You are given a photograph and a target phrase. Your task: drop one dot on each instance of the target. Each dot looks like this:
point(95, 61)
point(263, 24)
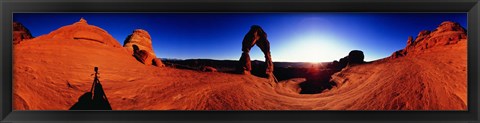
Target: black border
point(10, 6)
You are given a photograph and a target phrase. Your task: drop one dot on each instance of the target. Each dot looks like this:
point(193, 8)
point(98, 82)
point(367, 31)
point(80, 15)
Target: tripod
point(99, 98)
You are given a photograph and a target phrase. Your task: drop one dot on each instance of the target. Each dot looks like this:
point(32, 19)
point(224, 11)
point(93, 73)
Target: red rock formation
point(256, 36)
point(82, 31)
point(157, 62)
point(354, 57)
point(209, 69)
point(20, 33)
point(447, 33)
point(140, 38)
point(143, 56)
point(410, 41)
point(139, 43)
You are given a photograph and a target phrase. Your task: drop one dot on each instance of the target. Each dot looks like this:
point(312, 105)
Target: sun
point(315, 49)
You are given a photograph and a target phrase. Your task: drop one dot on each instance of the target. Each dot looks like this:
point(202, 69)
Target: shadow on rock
point(95, 99)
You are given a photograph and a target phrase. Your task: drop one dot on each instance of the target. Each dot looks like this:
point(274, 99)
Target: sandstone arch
point(256, 36)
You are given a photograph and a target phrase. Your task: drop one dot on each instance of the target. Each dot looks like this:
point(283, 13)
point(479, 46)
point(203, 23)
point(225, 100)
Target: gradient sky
point(295, 37)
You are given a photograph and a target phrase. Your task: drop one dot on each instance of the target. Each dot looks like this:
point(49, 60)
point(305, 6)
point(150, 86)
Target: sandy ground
point(52, 75)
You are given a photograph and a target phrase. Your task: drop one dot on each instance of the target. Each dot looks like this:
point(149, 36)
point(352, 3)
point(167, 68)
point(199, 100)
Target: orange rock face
point(20, 33)
point(139, 43)
point(82, 31)
point(140, 38)
point(447, 33)
point(144, 57)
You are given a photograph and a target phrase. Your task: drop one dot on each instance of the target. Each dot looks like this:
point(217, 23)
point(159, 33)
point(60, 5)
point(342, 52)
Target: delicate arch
point(255, 36)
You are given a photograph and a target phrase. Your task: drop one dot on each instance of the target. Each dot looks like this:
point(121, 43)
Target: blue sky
point(294, 37)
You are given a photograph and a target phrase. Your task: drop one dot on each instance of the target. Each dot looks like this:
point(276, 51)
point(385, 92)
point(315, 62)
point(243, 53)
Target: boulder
point(20, 33)
point(354, 57)
point(158, 62)
point(209, 69)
